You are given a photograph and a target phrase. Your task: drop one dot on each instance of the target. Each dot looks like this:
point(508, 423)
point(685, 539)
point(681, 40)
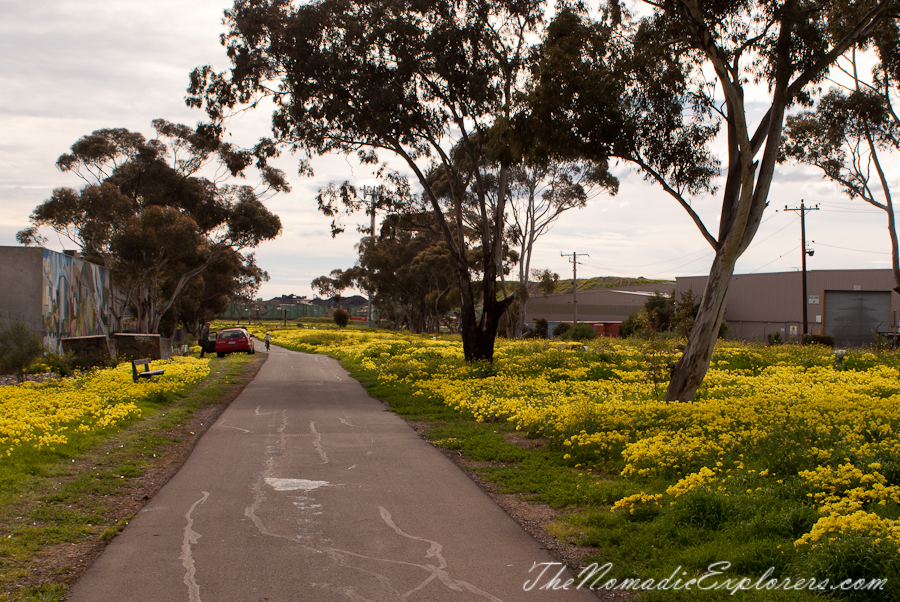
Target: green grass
point(584, 284)
point(59, 497)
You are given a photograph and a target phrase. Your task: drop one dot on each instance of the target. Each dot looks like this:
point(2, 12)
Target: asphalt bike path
point(307, 489)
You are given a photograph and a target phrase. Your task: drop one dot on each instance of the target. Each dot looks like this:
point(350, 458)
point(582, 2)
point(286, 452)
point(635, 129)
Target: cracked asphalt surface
point(305, 489)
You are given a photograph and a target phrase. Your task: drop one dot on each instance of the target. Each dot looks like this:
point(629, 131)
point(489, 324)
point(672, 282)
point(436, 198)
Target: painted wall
point(76, 297)
point(54, 294)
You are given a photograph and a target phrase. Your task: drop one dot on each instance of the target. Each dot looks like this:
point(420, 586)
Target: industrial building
point(602, 308)
point(850, 305)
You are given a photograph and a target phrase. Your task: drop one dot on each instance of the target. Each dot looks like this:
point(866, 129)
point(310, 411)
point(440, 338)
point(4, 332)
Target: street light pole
point(371, 193)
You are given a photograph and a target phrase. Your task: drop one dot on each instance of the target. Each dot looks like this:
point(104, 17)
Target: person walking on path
point(204, 339)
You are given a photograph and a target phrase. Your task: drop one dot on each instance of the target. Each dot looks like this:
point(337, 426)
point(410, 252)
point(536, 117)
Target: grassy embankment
point(786, 466)
point(82, 455)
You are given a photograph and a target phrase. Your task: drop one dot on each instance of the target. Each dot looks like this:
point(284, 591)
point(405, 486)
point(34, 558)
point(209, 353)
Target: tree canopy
point(852, 129)
point(145, 213)
point(407, 272)
point(434, 84)
point(667, 82)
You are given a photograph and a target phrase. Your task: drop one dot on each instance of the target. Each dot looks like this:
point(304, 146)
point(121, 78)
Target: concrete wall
point(55, 294)
point(21, 271)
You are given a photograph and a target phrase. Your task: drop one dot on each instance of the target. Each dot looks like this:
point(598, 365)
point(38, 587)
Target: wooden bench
point(147, 373)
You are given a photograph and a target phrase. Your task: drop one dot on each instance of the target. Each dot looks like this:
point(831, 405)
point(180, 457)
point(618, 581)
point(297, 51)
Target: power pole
point(371, 192)
point(573, 257)
point(803, 209)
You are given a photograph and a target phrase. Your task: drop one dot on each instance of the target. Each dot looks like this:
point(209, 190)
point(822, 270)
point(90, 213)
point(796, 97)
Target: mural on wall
point(76, 298)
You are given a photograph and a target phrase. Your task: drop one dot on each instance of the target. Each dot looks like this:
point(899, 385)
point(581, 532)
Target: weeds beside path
point(58, 515)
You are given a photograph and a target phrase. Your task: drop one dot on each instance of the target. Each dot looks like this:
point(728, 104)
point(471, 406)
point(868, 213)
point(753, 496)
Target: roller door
point(853, 316)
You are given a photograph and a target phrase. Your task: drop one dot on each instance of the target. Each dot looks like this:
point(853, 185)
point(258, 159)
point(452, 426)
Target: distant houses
point(293, 307)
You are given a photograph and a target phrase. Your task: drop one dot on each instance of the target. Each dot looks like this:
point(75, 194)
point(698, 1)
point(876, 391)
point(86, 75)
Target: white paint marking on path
point(237, 428)
point(294, 484)
point(258, 496)
point(317, 442)
point(187, 559)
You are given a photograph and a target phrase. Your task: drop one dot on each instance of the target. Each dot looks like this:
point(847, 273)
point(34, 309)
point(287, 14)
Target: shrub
point(579, 332)
point(856, 556)
point(61, 363)
point(540, 328)
point(560, 328)
point(19, 348)
point(633, 326)
point(724, 329)
point(685, 314)
point(341, 317)
point(818, 339)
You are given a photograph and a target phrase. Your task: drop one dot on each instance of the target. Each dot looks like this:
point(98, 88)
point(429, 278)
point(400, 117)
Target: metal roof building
point(847, 304)
point(595, 306)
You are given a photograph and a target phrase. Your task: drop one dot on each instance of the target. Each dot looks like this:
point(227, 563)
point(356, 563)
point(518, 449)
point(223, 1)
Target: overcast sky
point(68, 68)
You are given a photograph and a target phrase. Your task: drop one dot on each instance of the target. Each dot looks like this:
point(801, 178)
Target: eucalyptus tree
point(433, 84)
point(407, 271)
point(851, 132)
point(146, 213)
point(539, 195)
point(668, 81)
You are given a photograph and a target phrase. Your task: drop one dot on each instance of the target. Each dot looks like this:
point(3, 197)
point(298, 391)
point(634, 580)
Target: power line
point(771, 235)
point(856, 250)
point(774, 260)
point(678, 267)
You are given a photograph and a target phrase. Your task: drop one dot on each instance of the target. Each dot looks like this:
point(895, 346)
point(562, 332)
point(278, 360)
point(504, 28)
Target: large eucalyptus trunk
point(690, 370)
point(478, 335)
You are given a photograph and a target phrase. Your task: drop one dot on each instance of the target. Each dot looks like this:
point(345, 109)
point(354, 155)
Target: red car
point(231, 340)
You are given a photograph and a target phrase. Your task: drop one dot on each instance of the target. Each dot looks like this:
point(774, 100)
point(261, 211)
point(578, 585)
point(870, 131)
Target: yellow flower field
point(767, 419)
point(43, 415)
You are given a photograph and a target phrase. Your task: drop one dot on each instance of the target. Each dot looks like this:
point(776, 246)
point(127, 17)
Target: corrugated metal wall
point(763, 304)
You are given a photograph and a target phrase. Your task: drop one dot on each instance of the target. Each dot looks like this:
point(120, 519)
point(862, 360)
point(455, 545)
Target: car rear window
point(231, 334)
